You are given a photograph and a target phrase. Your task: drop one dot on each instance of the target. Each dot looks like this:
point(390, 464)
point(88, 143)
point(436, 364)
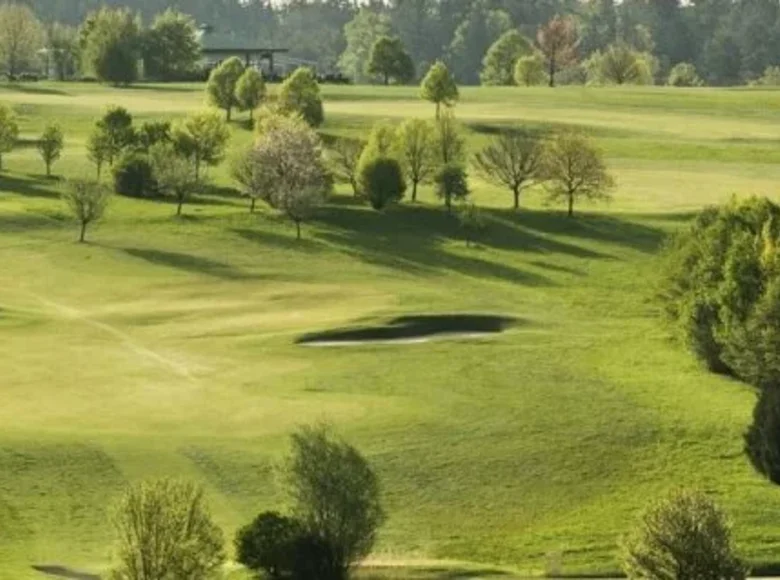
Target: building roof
point(216, 42)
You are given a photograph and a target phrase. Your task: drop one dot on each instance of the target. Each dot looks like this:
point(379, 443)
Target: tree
point(250, 91)
point(268, 544)
point(300, 94)
point(62, 50)
point(202, 138)
point(116, 124)
point(684, 74)
point(361, 33)
point(87, 201)
point(762, 439)
point(173, 174)
point(382, 142)
point(558, 42)
point(112, 46)
point(449, 139)
point(382, 181)
point(294, 179)
point(335, 494)
point(389, 60)
point(99, 149)
point(21, 36)
point(481, 25)
point(498, 67)
point(472, 222)
point(9, 131)
point(171, 50)
point(619, 64)
point(439, 87)
point(50, 145)
point(221, 88)
point(770, 78)
point(153, 132)
point(417, 148)
point(529, 70)
point(165, 530)
point(451, 184)
point(682, 537)
point(344, 156)
point(247, 174)
point(513, 160)
point(574, 168)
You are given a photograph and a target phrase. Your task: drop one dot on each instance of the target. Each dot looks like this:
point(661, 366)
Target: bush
point(684, 536)
point(300, 94)
point(684, 75)
point(269, 544)
point(721, 289)
point(770, 78)
point(451, 184)
point(382, 181)
point(134, 177)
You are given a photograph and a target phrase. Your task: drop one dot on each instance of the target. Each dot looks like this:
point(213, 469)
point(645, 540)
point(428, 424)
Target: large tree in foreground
point(685, 536)
point(335, 495)
point(558, 41)
point(87, 201)
point(513, 160)
point(574, 169)
point(165, 531)
point(21, 36)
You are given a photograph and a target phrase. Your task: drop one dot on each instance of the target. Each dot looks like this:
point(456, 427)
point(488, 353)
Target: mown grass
point(166, 346)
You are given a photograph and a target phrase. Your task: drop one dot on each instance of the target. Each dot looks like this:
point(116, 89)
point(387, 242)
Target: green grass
point(165, 346)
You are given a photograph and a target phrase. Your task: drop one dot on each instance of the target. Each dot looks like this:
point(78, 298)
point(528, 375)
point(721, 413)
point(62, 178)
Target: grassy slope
point(165, 346)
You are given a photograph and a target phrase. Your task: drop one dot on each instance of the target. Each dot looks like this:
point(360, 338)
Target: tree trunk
point(387, 79)
point(414, 192)
point(448, 202)
point(229, 112)
point(438, 111)
point(552, 71)
point(99, 167)
point(517, 198)
point(178, 207)
point(297, 230)
point(252, 205)
point(251, 115)
point(197, 168)
point(83, 232)
point(355, 189)
point(48, 169)
point(571, 205)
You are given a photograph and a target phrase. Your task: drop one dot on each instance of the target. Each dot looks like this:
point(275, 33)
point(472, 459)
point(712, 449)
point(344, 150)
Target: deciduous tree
point(170, 47)
point(368, 25)
point(9, 131)
point(498, 66)
point(87, 201)
point(250, 91)
point(21, 36)
point(165, 530)
point(173, 174)
point(684, 74)
point(512, 159)
point(529, 70)
point(439, 87)
point(267, 545)
point(300, 94)
point(112, 46)
point(202, 138)
point(574, 169)
point(452, 184)
point(50, 145)
point(450, 143)
point(417, 150)
point(389, 60)
point(344, 156)
point(382, 181)
point(221, 87)
point(558, 42)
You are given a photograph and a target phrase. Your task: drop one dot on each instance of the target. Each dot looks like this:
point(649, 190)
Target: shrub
point(269, 544)
point(300, 94)
point(134, 177)
point(720, 288)
point(770, 78)
point(529, 70)
point(684, 74)
point(451, 184)
point(153, 132)
point(382, 181)
point(684, 536)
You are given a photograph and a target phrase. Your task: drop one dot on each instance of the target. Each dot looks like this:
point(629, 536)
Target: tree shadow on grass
point(429, 573)
point(64, 572)
point(411, 239)
point(28, 187)
point(188, 263)
point(161, 88)
point(266, 238)
point(32, 89)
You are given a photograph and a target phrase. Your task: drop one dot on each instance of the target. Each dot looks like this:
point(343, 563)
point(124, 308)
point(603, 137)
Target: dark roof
point(220, 43)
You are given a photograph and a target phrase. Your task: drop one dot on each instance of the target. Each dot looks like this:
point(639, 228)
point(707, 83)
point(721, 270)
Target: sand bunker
point(412, 329)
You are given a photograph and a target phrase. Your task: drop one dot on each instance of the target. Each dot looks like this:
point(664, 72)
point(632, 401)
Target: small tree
point(685, 536)
point(202, 138)
point(452, 184)
point(9, 131)
point(267, 545)
point(173, 174)
point(382, 181)
point(134, 177)
point(389, 60)
point(50, 145)
point(558, 41)
point(684, 74)
point(450, 143)
point(439, 87)
point(99, 149)
point(417, 148)
point(153, 132)
point(21, 35)
point(335, 494)
point(164, 530)
point(344, 156)
point(574, 168)
point(529, 70)
point(87, 201)
point(300, 94)
point(250, 91)
point(221, 87)
point(512, 160)
point(619, 64)
point(472, 222)
point(247, 173)
point(498, 66)
point(117, 126)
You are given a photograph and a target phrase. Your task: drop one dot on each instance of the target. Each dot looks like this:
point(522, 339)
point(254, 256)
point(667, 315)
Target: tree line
point(726, 42)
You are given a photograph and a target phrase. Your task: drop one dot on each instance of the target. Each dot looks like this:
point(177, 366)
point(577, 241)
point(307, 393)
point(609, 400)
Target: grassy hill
point(166, 346)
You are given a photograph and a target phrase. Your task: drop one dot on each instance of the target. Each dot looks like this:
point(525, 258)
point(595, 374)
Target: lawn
point(167, 346)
